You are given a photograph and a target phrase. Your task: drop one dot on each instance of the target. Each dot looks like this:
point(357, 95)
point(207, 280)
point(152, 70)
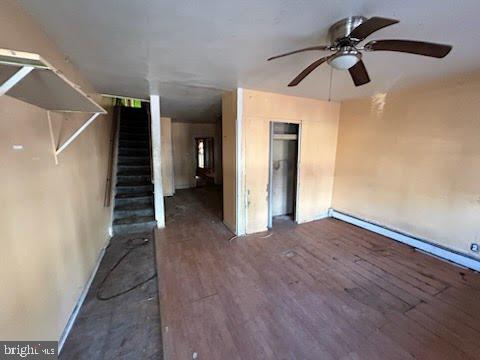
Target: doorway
point(205, 169)
point(283, 171)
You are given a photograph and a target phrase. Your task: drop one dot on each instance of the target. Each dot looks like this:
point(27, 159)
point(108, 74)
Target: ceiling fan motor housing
point(340, 31)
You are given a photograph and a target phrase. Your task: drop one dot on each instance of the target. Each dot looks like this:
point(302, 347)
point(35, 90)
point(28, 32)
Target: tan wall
point(183, 141)
point(218, 152)
point(319, 124)
point(229, 164)
point(411, 161)
point(53, 223)
point(167, 157)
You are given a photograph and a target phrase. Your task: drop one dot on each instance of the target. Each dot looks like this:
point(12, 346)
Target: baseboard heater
point(421, 244)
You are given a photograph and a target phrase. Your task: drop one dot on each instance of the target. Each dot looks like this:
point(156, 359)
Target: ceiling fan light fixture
point(344, 60)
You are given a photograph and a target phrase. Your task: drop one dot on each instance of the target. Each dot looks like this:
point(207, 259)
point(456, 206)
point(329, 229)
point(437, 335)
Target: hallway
point(324, 289)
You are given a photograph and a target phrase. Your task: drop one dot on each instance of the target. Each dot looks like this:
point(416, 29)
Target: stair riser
point(134, 178)
point(133, 189)
point(134, 137)
point(133, 220)
point(145, 172)
point(134, 144)
point(136, 201)
point(138, 164)
point(133, 161)
point(134, 157)
point(131, 183)
point(136, 124)
point(134, 130)
point(144, 154)
point(133, 228)
point(133, 152)
point(133, 169)
point(120, 214)
point(135, 120)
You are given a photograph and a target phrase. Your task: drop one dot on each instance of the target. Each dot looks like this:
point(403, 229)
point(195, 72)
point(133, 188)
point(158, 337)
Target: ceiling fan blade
point(411, 47)
point(369, 26)
point(321, 47)
point(307, 71)
point(359, 74)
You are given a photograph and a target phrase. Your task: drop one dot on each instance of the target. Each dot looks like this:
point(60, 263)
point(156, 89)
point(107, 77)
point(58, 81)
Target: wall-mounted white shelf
point(30, 78)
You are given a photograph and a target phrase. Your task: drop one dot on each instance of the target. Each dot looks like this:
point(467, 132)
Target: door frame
point(270, 168)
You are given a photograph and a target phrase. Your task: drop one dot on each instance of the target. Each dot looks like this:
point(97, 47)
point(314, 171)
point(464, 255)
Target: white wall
point(167, 157)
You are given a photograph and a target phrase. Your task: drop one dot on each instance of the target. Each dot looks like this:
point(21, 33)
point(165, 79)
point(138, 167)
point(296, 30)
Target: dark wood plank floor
point(321, 290)
point(127, 326)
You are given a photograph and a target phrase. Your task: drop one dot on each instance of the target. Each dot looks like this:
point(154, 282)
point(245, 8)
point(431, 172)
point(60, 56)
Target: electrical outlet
point(474, 247)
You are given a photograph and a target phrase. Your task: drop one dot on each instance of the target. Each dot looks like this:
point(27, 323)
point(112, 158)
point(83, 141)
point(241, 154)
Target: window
point(204, 149)
point(201, 154)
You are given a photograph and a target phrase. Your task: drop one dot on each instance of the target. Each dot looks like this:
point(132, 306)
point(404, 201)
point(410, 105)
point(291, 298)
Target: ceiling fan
point(346, 34)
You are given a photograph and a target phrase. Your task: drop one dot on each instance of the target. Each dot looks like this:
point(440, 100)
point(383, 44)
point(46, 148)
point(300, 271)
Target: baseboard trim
point(320, 216)
point(81, 299)
point(421, 244)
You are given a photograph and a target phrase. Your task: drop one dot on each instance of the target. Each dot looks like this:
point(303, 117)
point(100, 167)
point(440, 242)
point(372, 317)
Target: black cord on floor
point(131, 246)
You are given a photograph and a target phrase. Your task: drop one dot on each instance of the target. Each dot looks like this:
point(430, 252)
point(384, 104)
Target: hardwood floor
point(321, 290)
point(126, 326)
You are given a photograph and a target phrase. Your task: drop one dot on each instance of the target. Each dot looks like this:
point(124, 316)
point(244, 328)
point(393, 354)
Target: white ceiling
point(190, 51)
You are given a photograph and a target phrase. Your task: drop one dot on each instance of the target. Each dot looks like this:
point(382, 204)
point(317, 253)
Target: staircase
point(133, 212)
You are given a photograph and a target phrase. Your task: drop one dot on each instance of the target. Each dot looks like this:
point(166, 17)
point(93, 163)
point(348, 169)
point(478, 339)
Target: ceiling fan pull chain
point(330, 87)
